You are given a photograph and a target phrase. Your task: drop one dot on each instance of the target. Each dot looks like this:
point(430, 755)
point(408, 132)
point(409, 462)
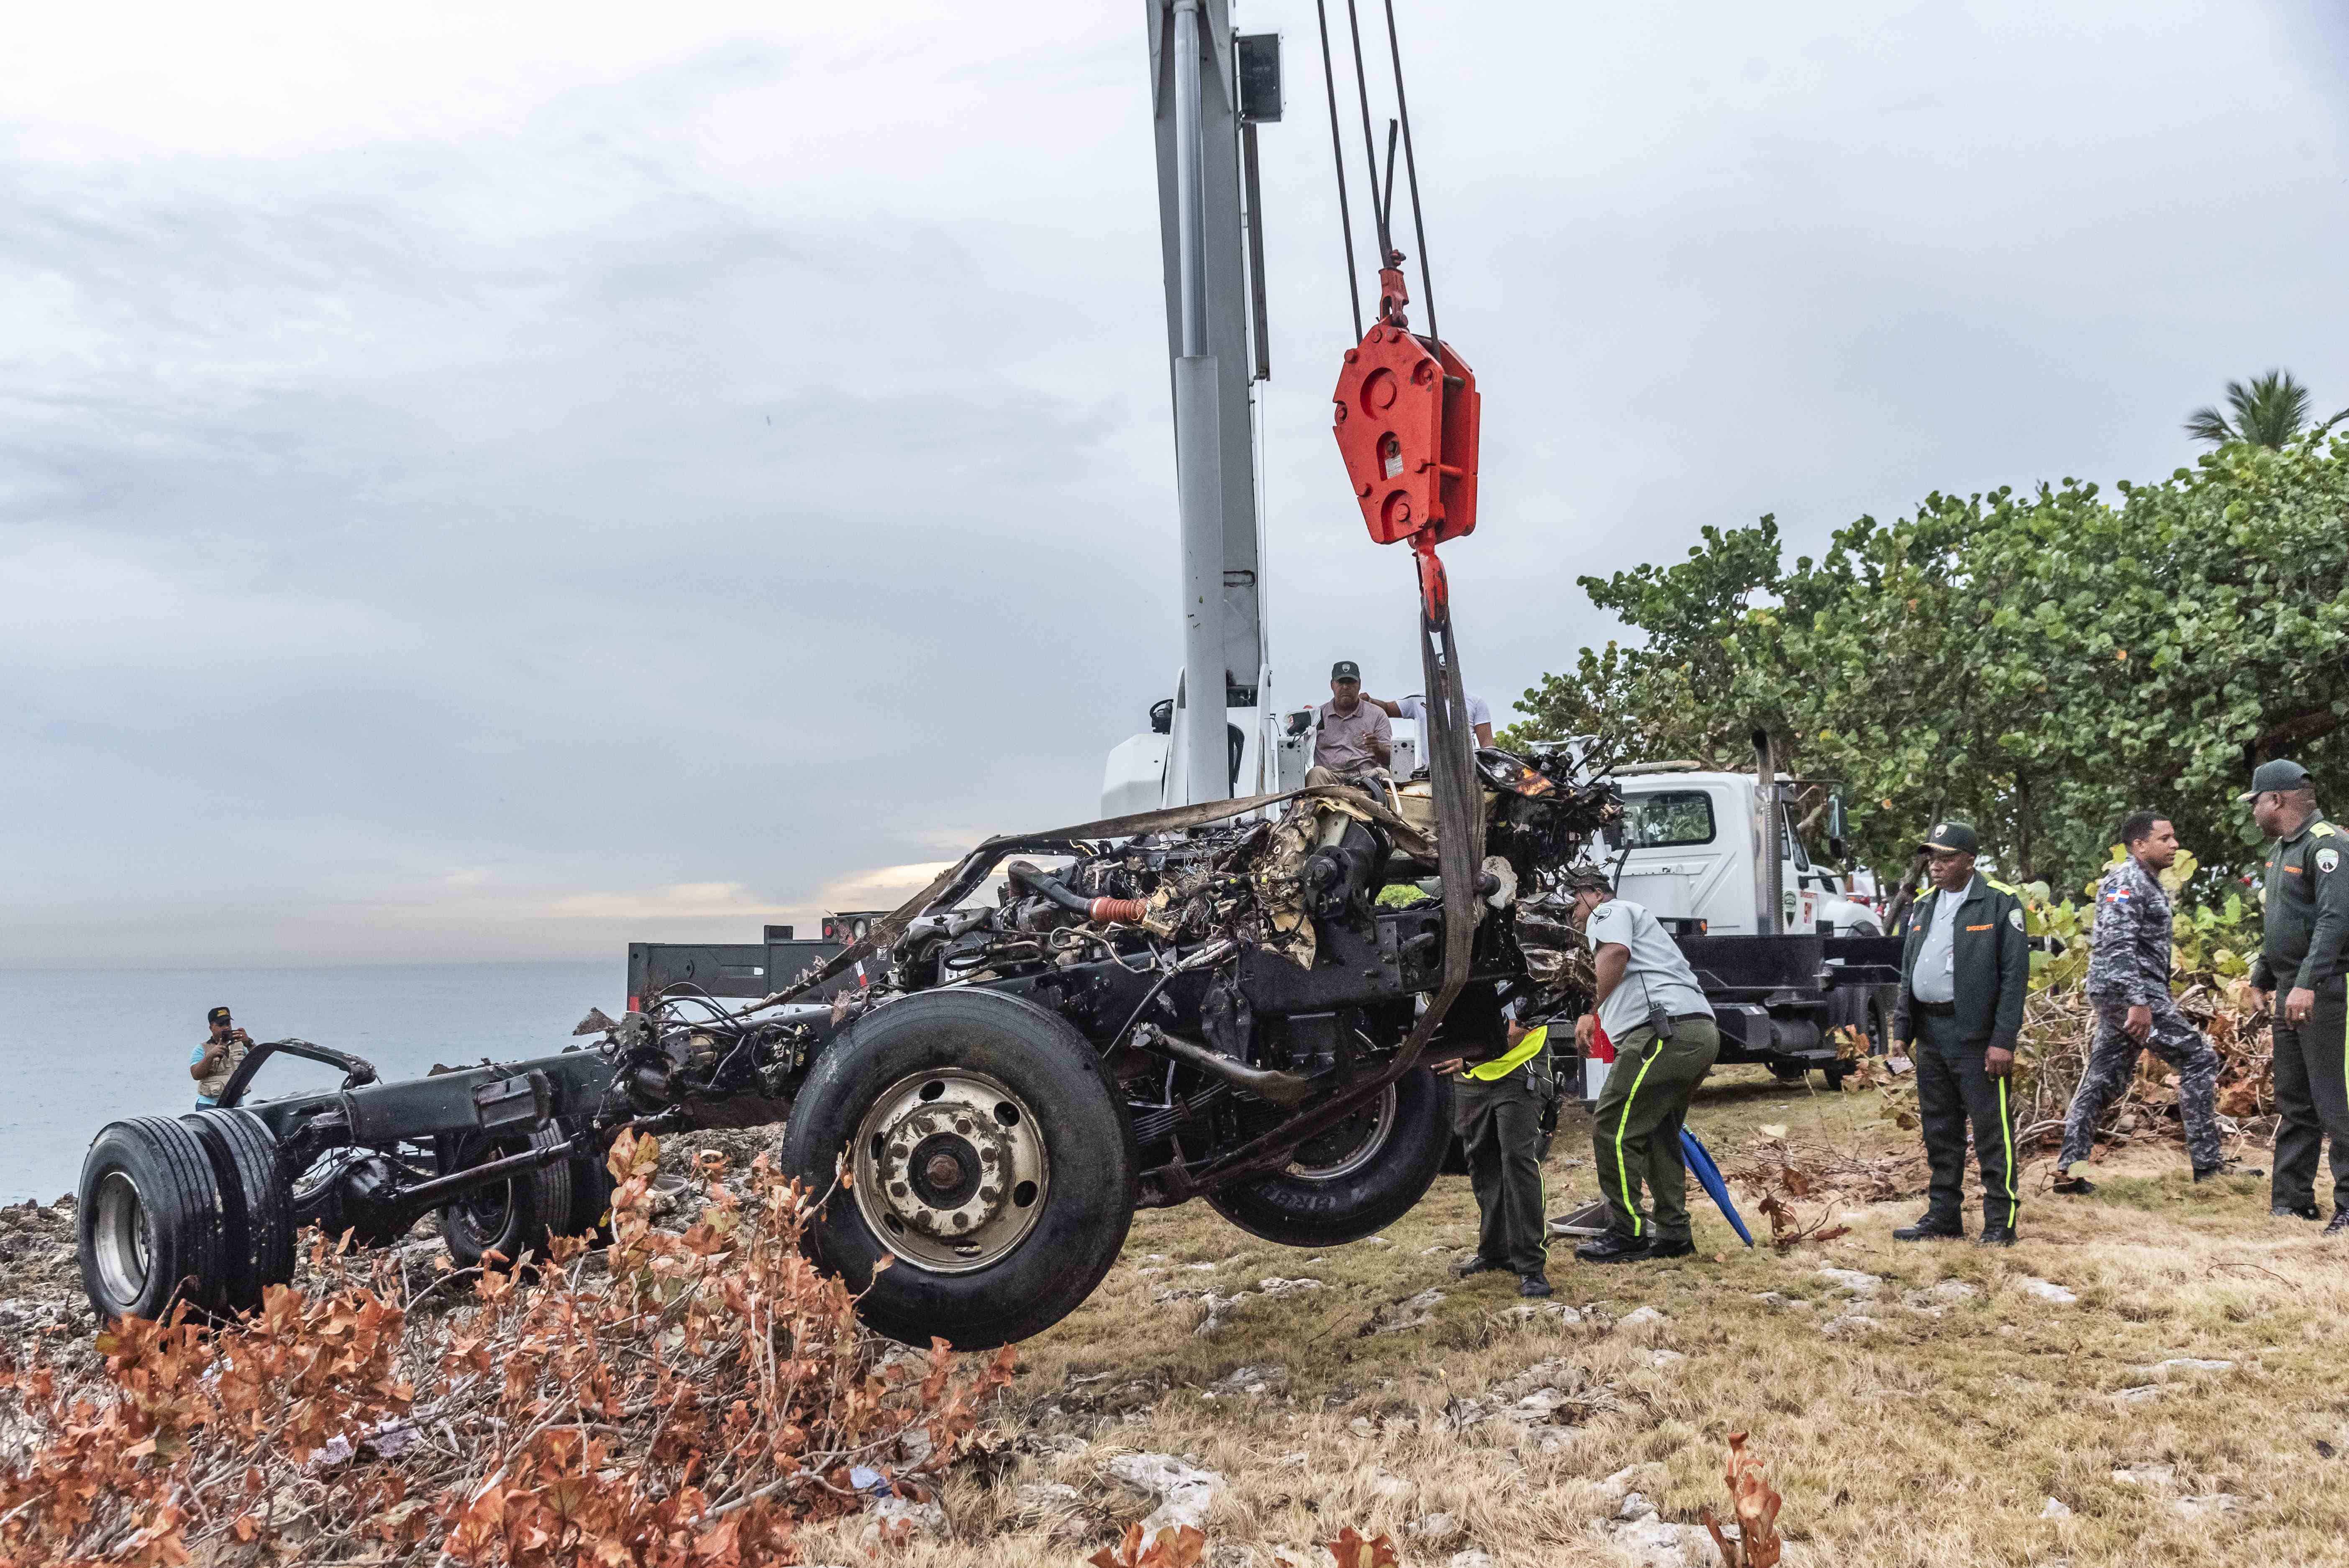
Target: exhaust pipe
point(1266, 1082)
point(1770, 873)
point(1103, 912)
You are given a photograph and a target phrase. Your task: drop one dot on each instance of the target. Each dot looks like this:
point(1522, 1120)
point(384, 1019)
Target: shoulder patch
point(2014, 917)
point(2327, 858)
point(2322, 830)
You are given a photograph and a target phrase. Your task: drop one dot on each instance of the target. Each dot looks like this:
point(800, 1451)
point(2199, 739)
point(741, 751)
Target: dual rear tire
point(194, 1210)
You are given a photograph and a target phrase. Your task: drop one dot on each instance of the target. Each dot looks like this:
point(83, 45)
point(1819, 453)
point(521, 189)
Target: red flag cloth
point(1601, 1048)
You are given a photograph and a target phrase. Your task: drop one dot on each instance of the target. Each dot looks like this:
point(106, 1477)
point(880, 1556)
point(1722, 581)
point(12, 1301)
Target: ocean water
point(86, 1047)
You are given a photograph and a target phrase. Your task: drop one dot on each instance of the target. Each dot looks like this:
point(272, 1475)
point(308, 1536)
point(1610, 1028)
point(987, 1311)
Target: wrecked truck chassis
point(1220, 1011)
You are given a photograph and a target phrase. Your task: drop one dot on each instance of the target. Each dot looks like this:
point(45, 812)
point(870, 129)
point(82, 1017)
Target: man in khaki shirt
point(211, 1063)
point(1354, 735)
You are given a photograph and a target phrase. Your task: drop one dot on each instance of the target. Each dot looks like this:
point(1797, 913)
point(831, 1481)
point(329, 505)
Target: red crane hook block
point(1406, 422)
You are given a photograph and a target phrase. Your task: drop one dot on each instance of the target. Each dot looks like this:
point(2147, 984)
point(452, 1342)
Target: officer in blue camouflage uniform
point(2128, 984)
point(2304, 910)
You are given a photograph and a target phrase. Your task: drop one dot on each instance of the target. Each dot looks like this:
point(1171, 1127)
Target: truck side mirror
point(1839, 829)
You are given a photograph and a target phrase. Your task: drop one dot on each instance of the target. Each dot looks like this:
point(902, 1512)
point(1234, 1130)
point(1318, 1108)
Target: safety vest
point(1523, 1052)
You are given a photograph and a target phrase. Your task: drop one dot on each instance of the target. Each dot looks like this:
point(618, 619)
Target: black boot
point(2224, 1167)
point(1932, 1229)
point(2290, 1211)
point(2339, 1222)
point(1995, 1235)
point(1533, 1285)
point(2080, 1186)
point(1612, 1248)
point(1473, 1263)
point(1662, 1248)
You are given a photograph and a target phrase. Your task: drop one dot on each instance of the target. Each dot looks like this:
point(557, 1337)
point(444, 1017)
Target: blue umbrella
point(1693, 1154)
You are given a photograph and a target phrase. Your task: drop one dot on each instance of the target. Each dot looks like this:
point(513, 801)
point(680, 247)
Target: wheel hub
point(950, 1169)
point(941, 1171)
point(119, 1237)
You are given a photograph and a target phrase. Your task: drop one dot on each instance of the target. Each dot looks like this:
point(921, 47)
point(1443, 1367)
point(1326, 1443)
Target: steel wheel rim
point(1328, 1164)
point(949, 1169)
point(118, 1238)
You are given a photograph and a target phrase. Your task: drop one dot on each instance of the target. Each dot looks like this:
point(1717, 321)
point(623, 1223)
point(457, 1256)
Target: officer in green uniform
point(1965, 967)
point(1496, 1109)
point(1654, 1012)
point(2305, 910)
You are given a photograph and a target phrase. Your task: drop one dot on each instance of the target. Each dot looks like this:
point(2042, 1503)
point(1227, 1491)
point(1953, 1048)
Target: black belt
point(1935, 1008)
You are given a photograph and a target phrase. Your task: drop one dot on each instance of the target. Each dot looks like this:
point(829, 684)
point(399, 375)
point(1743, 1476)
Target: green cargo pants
point(1499, 1123)
point(1635, 1128)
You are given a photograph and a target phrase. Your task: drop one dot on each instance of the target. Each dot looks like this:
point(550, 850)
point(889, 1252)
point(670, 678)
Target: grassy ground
point(1914, 1425)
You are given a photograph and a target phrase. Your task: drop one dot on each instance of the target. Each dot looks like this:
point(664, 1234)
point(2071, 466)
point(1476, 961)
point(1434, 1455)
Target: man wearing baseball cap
point(211, 1063)
point(1354, 735)
point(2305, 909)
point(1964, 970)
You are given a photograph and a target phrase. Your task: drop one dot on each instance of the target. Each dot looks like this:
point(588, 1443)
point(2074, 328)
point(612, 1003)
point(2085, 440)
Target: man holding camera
point(211, 1063)
point(1665, 1040)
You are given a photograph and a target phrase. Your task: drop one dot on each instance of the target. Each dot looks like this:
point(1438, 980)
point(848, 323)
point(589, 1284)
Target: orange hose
point(1128, 911)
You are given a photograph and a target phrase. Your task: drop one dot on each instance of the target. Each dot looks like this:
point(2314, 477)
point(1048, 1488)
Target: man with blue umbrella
point(1655, 1014)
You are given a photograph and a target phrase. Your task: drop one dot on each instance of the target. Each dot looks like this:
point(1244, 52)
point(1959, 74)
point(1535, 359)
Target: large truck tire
point(1356, 1178)
point(591, 1198)
point(513, 1217)
point(150, 1222)
point(985, 1155)
point(257, 1205)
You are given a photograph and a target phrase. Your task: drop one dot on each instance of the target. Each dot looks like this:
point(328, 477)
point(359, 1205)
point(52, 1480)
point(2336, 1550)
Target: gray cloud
point(724, 478)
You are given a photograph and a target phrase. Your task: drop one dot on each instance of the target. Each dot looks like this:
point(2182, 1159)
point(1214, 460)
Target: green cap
point(2277, 774)
point(1956, 835)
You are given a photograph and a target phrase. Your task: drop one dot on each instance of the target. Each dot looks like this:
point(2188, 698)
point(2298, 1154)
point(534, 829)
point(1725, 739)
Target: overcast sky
point(493, 482)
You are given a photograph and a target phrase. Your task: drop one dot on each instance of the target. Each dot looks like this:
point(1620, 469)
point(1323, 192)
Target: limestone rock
point(1851, 1279)
point(1184, 1492)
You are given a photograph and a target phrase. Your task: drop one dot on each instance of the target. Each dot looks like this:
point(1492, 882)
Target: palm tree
point(2269, 412)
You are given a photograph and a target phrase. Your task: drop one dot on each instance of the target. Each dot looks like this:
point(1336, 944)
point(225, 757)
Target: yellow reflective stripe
point(2006, 1130)
point(1623, 1171)
point(1518, 1056)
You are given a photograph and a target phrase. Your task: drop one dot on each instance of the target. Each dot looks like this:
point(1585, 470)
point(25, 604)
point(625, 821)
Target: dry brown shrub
point(1756, 1503)
point(1173, 1547)
point(2059, 1028)
point(1800, 1186)
point(683, 1400)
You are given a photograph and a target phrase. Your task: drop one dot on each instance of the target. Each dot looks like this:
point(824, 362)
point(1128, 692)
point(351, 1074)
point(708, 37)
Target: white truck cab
point(1690, 851)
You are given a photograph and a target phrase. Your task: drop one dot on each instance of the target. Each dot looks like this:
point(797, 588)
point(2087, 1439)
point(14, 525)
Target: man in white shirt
point(1480, 715)
point(1662, 1028)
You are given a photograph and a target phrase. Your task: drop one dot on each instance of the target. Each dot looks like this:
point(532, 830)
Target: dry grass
point(1924, 1439)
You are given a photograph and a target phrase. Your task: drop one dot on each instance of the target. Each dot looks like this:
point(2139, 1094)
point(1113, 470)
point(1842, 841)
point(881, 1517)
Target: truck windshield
point(1668, 817)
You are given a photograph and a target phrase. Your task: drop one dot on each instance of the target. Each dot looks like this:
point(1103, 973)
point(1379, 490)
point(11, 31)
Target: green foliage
point(2214, 940)
point(2270, 413)
point(2039, 664)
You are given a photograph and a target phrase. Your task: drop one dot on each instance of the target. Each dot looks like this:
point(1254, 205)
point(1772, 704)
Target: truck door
point(1680, 863)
